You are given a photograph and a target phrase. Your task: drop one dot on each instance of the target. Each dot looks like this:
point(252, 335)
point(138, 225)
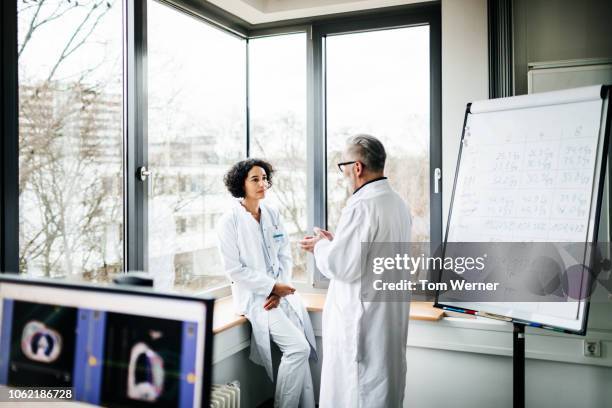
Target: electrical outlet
point(592, 348)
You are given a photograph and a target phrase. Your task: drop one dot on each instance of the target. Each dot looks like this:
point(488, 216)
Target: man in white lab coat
point(364, 343)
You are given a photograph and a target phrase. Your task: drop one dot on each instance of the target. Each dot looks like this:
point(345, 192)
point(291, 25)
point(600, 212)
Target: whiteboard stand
point(518, 366)
point(582, 117)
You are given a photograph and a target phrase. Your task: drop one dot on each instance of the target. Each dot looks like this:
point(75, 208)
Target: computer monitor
point(112, 346)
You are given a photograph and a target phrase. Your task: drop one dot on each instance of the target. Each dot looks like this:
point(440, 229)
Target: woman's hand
point(282, 290)
point(308, 242)
point(272, 302)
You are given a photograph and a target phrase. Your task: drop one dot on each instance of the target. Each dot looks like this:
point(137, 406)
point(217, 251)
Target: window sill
point(225, 318)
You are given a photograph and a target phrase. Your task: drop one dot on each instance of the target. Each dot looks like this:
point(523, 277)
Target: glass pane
point(378, 83)
point(70, 138)
point(196, 130)
point(277, 81)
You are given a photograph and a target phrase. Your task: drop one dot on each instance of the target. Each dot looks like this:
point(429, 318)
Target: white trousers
point(293, 381)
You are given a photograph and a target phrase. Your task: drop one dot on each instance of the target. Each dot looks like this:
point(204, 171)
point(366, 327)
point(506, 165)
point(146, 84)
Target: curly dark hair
point(237, 174)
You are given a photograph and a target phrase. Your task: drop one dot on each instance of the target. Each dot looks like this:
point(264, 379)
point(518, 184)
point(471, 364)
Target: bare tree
point(62, 148)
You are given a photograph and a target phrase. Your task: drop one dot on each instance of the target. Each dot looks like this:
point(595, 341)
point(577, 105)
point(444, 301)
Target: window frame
point(9, 121)
point(219, 19)
point(412, 16)
point(135, 113)
point(135, 141)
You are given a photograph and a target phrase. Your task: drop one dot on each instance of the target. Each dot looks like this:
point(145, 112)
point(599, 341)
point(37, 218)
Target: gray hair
point(369, 150)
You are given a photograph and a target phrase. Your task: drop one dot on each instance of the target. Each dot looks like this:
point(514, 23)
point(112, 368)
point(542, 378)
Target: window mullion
point(9, 216)
point(316, 146)
point(135, 134)
point(435, 132)
point(247, 102)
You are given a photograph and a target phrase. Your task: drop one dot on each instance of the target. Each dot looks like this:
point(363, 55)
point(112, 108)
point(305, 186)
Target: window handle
point(143, 173)
point(146, 176)
point(437, 177)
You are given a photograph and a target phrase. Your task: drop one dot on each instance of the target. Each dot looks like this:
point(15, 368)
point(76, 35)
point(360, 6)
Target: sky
point(375, 79)
point(377, 82)
point(103, 46)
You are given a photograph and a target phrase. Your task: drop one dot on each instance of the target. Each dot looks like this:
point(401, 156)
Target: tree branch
point(67, 51)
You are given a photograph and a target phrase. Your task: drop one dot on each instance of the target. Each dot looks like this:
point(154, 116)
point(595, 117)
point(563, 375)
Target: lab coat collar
point(371, 181)
point(371, 187)
point(241, 211)
point(265, 216)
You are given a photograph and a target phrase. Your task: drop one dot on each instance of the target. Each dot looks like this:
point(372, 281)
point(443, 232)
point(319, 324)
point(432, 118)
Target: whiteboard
point(546, 145)
point(557, 75)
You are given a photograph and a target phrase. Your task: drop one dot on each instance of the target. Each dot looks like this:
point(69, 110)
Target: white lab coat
point(364, 343)
point(244, 262)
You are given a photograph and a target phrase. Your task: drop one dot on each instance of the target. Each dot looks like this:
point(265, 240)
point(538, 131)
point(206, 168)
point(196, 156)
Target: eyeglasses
point(344, 164)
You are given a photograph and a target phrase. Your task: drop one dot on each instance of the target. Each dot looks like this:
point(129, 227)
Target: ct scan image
point(141, 361)
point(42, 349)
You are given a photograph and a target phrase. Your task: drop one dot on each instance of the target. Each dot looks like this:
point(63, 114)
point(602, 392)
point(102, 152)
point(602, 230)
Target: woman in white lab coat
point(257, 258)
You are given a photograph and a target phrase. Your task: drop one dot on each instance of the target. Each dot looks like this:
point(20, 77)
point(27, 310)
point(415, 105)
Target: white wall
point(465, 78)
point(442, 379)
point(466, 363)
point(456, 362)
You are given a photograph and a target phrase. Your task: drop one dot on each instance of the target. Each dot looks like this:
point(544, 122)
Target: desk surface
point(225, 318)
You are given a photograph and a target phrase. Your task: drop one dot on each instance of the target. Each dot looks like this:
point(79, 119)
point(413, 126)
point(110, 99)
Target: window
point(70, 138)
point(181, 225)
point(196, 131)
point(377, 82)
point(201, 119)
point(277, 96)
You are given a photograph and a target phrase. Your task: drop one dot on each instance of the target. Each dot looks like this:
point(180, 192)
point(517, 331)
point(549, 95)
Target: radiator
point(225, 395)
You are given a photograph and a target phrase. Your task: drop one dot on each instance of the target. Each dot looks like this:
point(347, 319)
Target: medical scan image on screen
point(141, 361)
point(42, 345)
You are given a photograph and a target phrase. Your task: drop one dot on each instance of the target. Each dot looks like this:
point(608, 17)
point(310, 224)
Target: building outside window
point(70, 138)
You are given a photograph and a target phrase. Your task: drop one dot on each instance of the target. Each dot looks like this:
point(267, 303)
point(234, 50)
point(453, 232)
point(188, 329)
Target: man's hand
point(271, 302)
point(309, 241)
point(282, 290)
point(323, 233)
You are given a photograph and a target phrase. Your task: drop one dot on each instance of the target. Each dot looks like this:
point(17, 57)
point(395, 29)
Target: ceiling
point(267, 11)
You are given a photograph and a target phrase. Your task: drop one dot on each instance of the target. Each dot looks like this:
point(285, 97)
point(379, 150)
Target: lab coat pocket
point(278, 236)
point(278, 239)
